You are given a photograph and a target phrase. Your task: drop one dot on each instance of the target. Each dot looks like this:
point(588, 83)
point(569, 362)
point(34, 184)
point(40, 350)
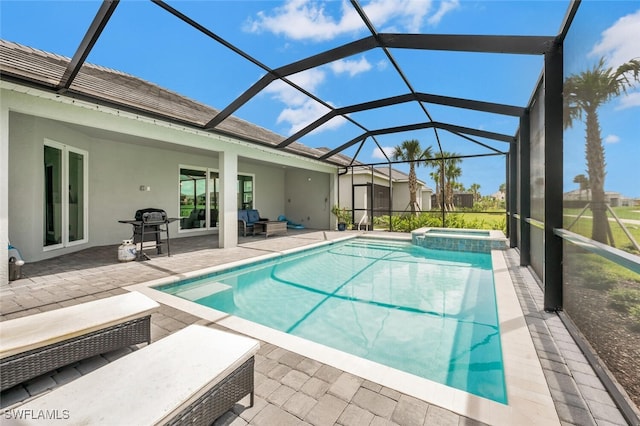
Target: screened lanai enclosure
point(564, 149)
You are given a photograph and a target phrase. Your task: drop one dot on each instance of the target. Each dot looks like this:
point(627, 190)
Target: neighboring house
point(463, 200)
point(426, 198)
point(614, 199)
point(74, 162)
point(460, 199)
point(366, 189)
point(401, 192)
point(498, 195)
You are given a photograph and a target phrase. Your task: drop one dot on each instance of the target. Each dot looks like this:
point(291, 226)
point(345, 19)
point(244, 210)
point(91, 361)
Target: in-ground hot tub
point(474, 240)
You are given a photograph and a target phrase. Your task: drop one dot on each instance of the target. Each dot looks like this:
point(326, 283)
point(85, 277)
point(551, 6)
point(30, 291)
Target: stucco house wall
point(308, 198)
point(359, 178)
point(426, 199)
point(126, 152)
point(401, 196)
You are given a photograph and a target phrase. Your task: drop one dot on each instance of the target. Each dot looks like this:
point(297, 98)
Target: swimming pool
point(476, 240)
point(427, 312)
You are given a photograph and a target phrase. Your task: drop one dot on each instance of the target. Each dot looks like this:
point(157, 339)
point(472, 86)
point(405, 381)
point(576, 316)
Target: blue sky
point(144, 40)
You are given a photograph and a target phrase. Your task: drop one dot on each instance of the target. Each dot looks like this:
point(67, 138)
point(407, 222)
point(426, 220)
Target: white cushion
point(152, 384)
point(38, 330)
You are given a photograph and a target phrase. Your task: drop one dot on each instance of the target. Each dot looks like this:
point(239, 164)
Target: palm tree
point(448, 170)
point(475, 190)
point(412, 152)
point(583, 181)
point(452, 173)
point(435, 175)
point(584, 93)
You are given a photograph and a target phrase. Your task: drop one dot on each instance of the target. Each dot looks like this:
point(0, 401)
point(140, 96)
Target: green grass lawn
point(472, 220)
point(621, 212)
point(490, 220)
point(584, 224)
point(621, 240)
point(497, 221)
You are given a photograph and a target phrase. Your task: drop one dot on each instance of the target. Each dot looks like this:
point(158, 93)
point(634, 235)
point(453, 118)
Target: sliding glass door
point(65, 195)
point(200, 196)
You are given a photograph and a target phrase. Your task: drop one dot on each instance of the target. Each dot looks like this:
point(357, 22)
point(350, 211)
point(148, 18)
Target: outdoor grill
point(148, 225)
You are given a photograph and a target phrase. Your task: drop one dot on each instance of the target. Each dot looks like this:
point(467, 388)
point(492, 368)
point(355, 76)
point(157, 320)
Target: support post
point(390, 200)
point(553, 157)
point(524, 150)
point(228, 232)
point(4, 194)
point(512, 194)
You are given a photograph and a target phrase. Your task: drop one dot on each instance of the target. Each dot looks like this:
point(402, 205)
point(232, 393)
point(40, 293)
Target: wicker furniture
point(190, 377)
point(269, 228)
point(246, 220)
point(36, 344)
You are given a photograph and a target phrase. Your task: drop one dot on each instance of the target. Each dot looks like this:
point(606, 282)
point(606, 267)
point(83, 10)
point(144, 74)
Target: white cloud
point(445, 7)
point(378, 154)
point(309, 79)
point(612, 139)
point(409, 13)
point(300, 110)
point(315, 20)
point(382, 65)
point(299, 116)
point(619, 43)
point(311, 20)
point(351, 67)
point(629, 100)
point(303, 19)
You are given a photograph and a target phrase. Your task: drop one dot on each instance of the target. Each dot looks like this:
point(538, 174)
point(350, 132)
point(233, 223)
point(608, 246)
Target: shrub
point(594, 273)
point(625, 299)
point(598, 279)
point(407, 222)
point(634, 312)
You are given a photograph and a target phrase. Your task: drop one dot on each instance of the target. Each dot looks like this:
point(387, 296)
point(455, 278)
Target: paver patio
point(290, 388)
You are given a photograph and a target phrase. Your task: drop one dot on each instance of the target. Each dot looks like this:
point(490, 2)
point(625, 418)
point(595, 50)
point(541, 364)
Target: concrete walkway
point(290, 388)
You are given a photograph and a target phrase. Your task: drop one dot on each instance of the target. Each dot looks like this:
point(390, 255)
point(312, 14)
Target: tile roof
point(115, 88)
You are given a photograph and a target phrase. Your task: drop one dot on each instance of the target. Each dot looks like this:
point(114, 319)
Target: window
point(200, 196)
point(193, 198)
point(245, 192)
point(65, 214)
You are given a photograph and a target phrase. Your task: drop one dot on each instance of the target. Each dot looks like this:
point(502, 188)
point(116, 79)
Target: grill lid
point(151, 215)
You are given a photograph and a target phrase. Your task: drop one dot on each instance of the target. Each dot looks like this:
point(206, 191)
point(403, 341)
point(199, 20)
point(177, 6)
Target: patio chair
point(246, 220)
point(36, 344)
point(193, 376)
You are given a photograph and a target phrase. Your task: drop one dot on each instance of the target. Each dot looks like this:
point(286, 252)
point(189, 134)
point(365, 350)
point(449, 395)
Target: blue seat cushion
point(253, 216)
point(242, 215)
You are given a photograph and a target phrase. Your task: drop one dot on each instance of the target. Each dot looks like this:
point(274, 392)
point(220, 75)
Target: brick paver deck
point(290, 389)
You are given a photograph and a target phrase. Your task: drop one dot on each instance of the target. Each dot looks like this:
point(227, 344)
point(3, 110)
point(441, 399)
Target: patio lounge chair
point(190, 377)
point(36, 344)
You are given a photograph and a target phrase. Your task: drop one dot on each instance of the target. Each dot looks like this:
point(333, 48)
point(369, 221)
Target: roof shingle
point(45, 70)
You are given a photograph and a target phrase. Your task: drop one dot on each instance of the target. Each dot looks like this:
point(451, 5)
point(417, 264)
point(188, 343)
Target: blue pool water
point(431, 313)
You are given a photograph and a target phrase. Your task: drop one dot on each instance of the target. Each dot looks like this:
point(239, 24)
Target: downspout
point(346, 170)
point(443, 192)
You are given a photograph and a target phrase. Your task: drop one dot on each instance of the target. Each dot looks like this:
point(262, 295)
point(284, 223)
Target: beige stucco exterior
point(126, 151)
